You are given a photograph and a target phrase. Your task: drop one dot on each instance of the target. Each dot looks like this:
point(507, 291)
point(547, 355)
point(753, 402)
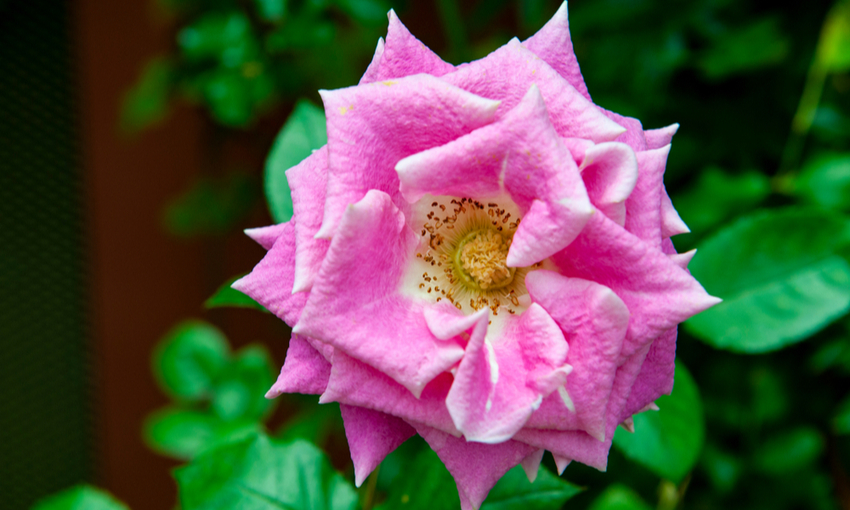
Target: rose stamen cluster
point(406, 248)
point(466, 242)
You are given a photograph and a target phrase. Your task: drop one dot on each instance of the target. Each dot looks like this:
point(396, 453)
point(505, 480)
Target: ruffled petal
point(475, 467)
point(525, 155)
point(658, 293)
point(304, 371)
point(633, 135)
point(308, 181)
point(594, 320)
point(656, 374)
point(579, 445)
point(499, 384)
point(610, 171)
point(553, 44)
point(643, 208)
point(371, 436)
point(355, 305)
point(372, 127)
point(403, 55)
point(270, 282)
point(355, 383)
point(506, 74)
point(578, 148)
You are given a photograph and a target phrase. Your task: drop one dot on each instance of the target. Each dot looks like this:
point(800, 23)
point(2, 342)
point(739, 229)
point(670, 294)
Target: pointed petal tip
point(683, 259)
point(531, 464)
point(561, 463)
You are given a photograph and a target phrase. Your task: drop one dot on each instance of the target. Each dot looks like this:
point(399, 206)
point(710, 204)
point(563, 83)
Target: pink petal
point(531, 464)
point(633, 136)
point(657, 138)
point(475, 467)
point(561, 463)
point(643, 208)
point(372, 127)
point(683, 259)
point(404, 55)
point(498, 385)
point(658, 293)
point(671, 222)
point(552, 43)
point(506, 75)
point(578, 148)
point(610, 171)
point(594, 320)
point(525, 152)
point(445, 321)
point(578, 445)
point(371, 436)
point(304, 371)
point(355, 305)
point(355, 383)
point(270, 283)
point(656, 374)
point(266, 236)
point(371, 73)
point(308, 181)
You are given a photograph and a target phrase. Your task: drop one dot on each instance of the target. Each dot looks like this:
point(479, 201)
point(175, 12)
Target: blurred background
point(134, 138)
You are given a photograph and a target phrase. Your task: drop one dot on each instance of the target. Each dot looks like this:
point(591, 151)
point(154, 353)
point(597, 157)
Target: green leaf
point(423, 484)
point(668, 441)
point(314, 423)
point(717, 196)
point(300, 35)
point(619, 497)
point(366, 11)
point(212, 206)
point(179, 433)
point(833, 354)
point(271, 10)
point(834, 45)
point(260, 473)
point(241, 386)
point(841, 421)
point(723, 469)
point(147, 102)
point(791, 451)
point(825, 181)
point(228, 296)
point(189, 359)
point(757, 45)
point(515, 492)
point(183, 433)
point(81, 497)
point(223, 36)
point(779, 275)
point(303, 133)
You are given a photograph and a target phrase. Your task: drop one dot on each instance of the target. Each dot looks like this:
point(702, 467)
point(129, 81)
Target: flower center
point(480, 258)
point(462, 256)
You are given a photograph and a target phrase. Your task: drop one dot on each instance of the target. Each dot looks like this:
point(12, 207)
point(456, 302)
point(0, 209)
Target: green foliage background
point(760, 171)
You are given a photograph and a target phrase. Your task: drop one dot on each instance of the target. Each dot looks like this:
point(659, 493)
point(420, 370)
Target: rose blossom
point(482, 256)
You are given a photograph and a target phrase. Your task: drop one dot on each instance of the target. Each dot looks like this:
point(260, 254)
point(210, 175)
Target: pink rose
point(482, 256)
